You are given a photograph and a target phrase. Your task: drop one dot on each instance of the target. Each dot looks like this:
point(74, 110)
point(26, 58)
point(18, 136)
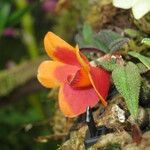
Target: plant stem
point(36, 104)
point(28, 31)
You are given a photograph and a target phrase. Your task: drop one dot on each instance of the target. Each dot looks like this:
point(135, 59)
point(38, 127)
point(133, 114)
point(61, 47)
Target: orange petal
point(53, 73)
point(82, 60)
point(74, 102)
point(100, 80)
point(60, 50)
point(80, 79)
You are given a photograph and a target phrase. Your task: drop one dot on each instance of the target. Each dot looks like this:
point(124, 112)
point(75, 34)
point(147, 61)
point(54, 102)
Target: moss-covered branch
point(18, 75)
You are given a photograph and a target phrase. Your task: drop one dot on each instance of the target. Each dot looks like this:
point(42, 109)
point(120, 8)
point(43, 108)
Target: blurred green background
point(25, 109)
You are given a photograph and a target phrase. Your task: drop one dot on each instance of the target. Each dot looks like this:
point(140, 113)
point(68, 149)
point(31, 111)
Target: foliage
point(143, 59)
point(134, 33)
point(9, 18)
point(67, 17)
point(127, 81)
point(15, 56)
point(109, 42)
point(108, 65)
point(106, 41)
point(4, 13)
point(21, 124)
point(146, 41)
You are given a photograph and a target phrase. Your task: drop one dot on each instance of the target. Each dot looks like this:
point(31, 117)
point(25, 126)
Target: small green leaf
point(142, 68)
point(145, 60)
point(117, 44)
point(127, 81)
point(4, 13)
point(100, 45)
point(87, 33)
point(16, 15)
point(108, 65)
point(112, 40)
point(106, 41)
point(146, 41)
point(132, 33)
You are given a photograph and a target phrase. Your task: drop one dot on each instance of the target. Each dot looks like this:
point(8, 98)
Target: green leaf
point(87, 33)
point(110, 41)
point(127, 81)
point(145, 60)
point(146, 41)
point(142, 68)
point(132, 33)
point(106, 41)
point(16, 16)
point(108, 65)
point(100, 45)
point(117, 44)
point(4, 13)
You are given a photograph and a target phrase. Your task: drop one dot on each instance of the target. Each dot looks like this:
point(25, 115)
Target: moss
point(114, 146)
point(18, 75)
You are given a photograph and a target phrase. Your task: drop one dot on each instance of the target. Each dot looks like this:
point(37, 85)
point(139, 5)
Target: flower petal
point(74, 102)
point(125, 4)
point(82, 59)
point(141, 8)
point(53, 73)
point(100, 80)
point(60, 50)
point(79, 80)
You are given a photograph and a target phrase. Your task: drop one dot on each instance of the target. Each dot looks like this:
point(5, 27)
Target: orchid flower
point(81, 84)
point(139, 7)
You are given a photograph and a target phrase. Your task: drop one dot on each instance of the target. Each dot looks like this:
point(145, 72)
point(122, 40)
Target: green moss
point(114, 146)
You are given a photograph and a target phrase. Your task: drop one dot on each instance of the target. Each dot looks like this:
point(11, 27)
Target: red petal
point(66, 56)
point(100, 80)
point(74, 102)
point(60, 50)
point(62, 72)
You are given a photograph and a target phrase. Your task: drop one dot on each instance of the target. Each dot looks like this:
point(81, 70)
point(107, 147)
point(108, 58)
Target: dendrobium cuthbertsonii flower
point(81, 84)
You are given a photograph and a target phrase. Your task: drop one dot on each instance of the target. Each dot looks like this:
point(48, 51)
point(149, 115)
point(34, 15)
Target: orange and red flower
point(81, 84)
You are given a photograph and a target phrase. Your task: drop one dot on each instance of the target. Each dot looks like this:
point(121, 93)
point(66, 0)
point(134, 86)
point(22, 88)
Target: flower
point(49, 5)
point(139, 7)
point(81, 84)
point(9, 32)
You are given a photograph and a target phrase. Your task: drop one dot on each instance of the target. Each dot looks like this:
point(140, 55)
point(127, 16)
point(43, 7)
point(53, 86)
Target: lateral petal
point(54, 73)
point(100, 80)
point(74, 102)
